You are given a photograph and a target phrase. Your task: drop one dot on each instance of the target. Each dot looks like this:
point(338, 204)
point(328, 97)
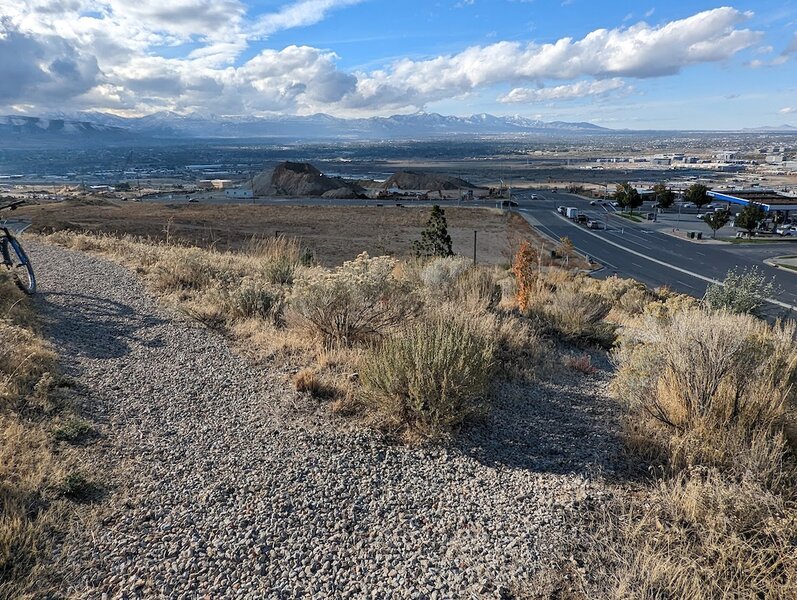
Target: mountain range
point(318, 126)
point(163, 126)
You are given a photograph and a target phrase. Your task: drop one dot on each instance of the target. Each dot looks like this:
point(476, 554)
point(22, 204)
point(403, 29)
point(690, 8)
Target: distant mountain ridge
point(23, 126)
point(319, 126)
point(769, 129)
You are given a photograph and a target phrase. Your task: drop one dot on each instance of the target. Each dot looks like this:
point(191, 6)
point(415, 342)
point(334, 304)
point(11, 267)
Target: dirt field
point(335, 234)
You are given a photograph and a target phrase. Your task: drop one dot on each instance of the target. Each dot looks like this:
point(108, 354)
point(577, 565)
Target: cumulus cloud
point(639, 51)
point(570, 91)
point(787, 110)
point(34, 68)
point(112, 54)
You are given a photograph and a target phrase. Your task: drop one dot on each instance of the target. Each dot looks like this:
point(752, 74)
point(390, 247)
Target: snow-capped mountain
point(22, 126)
point(319, 126)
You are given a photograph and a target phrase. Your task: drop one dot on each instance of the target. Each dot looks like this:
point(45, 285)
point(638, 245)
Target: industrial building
point(769, 200)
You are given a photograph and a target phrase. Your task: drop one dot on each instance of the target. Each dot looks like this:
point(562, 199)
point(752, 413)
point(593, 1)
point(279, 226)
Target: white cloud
point(787, 110)
point(111, 54)
point(34, 67)
point(639, 51)
point(571, 91)
point(299, 14)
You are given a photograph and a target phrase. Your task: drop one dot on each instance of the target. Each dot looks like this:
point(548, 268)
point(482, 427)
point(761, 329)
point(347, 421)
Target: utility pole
point(474, 246)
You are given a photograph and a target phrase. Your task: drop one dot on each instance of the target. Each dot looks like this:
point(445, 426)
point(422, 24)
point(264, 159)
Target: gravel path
point(222, 483)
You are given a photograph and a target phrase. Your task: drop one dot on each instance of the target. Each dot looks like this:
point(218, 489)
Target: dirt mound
point(302, 179)
point(414, 180)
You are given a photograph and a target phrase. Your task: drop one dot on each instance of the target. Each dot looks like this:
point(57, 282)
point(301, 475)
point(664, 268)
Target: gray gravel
point(221, 482)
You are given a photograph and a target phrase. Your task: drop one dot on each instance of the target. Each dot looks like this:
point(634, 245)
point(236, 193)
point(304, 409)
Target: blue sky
point(619, 64)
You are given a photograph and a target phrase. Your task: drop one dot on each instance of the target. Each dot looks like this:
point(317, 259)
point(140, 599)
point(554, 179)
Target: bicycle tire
point(22, 272)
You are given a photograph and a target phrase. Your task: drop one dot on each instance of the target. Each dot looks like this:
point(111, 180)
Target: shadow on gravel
point(549, 428)
point(93, 327)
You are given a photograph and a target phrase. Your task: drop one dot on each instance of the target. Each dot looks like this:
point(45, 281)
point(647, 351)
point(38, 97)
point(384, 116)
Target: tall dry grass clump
point(700, 535)
point(710, 396)
point(356, 302)
point(701, 372)
point(279, 256)
point(430, 377)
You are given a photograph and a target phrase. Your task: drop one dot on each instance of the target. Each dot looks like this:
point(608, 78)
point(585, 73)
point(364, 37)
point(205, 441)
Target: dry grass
point(701, 535)
point(711, 396)
point(300, 321)
point(33, 465)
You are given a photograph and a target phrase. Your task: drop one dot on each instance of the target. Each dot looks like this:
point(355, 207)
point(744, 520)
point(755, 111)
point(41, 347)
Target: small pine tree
point(435, 240)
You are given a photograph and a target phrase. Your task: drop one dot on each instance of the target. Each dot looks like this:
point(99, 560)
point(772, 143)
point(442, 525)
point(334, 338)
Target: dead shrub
point(356, 302)
point(581, 363)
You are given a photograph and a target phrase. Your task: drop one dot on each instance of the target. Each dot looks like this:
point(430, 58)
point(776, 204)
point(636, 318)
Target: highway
point(644, 252)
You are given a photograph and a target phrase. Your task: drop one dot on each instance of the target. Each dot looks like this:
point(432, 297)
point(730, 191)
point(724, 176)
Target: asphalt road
point(644, 252)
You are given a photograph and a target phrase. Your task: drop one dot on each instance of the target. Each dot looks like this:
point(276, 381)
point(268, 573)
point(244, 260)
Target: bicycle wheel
point(19, 264)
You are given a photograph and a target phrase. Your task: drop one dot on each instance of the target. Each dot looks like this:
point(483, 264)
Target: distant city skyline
point(676, 65)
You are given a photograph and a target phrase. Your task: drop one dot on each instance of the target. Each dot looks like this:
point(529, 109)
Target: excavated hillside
point(302, 179)
point(414, 180)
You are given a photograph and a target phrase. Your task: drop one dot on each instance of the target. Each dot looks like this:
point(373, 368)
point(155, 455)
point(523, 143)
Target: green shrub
point(457, 279)
point(71, 430)
point(740, 292)
point(76, 486)
point(280, 272)
point(430, 377)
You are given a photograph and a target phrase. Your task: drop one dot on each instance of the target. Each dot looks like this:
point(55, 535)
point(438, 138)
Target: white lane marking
point(673, 267)
point(691, 287)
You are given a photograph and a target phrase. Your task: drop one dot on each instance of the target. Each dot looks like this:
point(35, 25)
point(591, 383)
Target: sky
point(646, 64)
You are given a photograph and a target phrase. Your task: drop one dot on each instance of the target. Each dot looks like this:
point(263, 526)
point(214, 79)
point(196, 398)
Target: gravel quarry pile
point(220, 481)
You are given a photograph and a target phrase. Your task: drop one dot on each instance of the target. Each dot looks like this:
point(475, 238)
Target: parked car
point(581, 218)
point(616, 204)
point(593, 203)
point(534, 196)
point(790, 230)
point(592, 224)
point(561, 210)
point(508, 204)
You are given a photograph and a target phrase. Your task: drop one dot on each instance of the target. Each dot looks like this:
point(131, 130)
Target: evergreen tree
point(435, 240)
